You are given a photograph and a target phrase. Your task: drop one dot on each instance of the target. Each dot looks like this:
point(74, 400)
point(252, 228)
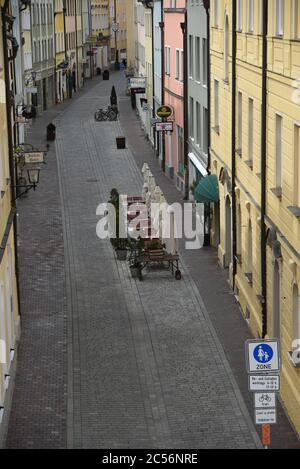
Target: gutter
point(233, 143)
point(185, 108)
point(10, 148)
point(162, 29)
point(263, 230)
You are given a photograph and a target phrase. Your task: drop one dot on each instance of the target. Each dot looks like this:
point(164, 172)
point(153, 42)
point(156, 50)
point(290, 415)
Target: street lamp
point(115, 29)
point(33, 178)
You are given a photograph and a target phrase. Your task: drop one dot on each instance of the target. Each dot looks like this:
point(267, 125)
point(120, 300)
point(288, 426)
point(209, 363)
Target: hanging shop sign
point(137, 85)
point(34, 157)
point(164, 126)
point(164, 112)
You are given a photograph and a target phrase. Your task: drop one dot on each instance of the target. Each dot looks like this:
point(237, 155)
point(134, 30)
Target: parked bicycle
point(109, 114)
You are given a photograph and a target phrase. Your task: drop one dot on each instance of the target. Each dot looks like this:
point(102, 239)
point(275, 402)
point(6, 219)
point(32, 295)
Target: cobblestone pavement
point(105, 361)
point(147, 369)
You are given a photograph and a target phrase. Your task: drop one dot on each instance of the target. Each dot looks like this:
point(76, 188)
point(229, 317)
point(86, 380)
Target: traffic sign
point(164, 111)
point(263, 416)
point(263, 356)
point(264, 400)
point(260, 383)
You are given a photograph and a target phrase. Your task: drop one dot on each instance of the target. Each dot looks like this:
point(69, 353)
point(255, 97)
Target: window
point(198, 124)
point(205, 131)
point(217, 110)
point(191, 56)
point(197, 59)
point(240, 122)
point(297, 166)
point(278, 150)
point(177, 64)
point(181, 74)
point(216, 13)
point(180, 149)
point(250, 249)
point(204, 61)
point(279, 17)
point(296, 313)
point(239, 231)
point(239, 19)
point(296, 16)
point(250, 129)
point(191, 113)
point(250, 16)
point(167, 59)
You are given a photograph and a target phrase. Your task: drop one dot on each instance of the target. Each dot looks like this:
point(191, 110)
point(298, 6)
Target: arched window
point(296, 313)
point(226, 48)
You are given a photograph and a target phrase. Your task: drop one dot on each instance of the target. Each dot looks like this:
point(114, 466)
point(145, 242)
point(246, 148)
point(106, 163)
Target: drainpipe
point(185, 108)
point(153, 76)
point(10, 146)
point(207, 206)
point(162, 28)
point(263, 234)
point(233, 142)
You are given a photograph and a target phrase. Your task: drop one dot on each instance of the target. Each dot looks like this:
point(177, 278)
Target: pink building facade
point(174, 11)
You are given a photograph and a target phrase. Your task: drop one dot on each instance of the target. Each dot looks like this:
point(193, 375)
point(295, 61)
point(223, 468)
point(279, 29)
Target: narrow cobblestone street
point(106, 361)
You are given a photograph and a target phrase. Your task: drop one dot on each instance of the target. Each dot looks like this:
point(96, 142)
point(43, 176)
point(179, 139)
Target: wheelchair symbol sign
point(263, 356)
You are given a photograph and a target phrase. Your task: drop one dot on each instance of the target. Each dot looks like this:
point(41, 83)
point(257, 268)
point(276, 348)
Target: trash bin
point(106, 75)
point(121, 143)
point(98, 71)
point(51, 131)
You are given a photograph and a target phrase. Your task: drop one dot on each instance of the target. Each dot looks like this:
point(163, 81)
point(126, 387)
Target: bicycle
point(109, 114)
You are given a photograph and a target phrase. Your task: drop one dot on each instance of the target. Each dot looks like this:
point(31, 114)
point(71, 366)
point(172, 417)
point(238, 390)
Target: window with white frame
point(177, 74)
point(296, 200)
point(198, 124)
point(239, 18)
point(167, 59)
point(191, 114)
point(205, 131)
point(250, 16)
point(191, 56)
point(296, 16)
point(250, 129)
point(240, 122)
point(197, 59)
point(204, 61)
point(217, 104)
point(279, 17)
point(216, 13)
point(278, 150)
point(181, 74)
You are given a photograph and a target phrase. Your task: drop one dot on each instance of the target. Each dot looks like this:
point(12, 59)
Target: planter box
point(121, 143)
point(134, 272)
point(121, 254)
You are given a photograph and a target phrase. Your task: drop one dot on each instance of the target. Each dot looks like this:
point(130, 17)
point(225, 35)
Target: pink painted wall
point(173, 87)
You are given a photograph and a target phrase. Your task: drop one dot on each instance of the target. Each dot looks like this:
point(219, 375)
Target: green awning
point(207, 189)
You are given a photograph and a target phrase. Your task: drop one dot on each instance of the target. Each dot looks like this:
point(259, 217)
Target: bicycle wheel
point(112, 115)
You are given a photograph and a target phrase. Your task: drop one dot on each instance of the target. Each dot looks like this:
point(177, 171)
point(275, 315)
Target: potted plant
point(121, 249)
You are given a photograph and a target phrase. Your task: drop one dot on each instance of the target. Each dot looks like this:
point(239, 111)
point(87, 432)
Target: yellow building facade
point(60, 54)
point(131, 33)
point(9, 314)
point(238, 234)
point(117, 10)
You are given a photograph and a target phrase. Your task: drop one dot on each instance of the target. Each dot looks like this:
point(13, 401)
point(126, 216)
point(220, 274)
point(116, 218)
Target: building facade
point(101, 34)
point(197, 91)
point(174, 15)
point(42, 24)
point(130, 40)
point(157, 68)
point(61, 64)
point(9, 311)
point(118, 39)
point(255, 155)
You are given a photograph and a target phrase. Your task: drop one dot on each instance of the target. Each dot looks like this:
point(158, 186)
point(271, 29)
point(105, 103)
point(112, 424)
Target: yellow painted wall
point(283, 70)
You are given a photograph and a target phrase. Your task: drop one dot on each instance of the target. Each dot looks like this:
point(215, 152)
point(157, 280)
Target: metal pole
point(116, 37)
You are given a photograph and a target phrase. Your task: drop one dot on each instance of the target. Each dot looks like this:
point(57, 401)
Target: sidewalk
point(212, 283)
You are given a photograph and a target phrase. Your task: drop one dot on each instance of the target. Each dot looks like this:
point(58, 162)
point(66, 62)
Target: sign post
point(263, 366)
